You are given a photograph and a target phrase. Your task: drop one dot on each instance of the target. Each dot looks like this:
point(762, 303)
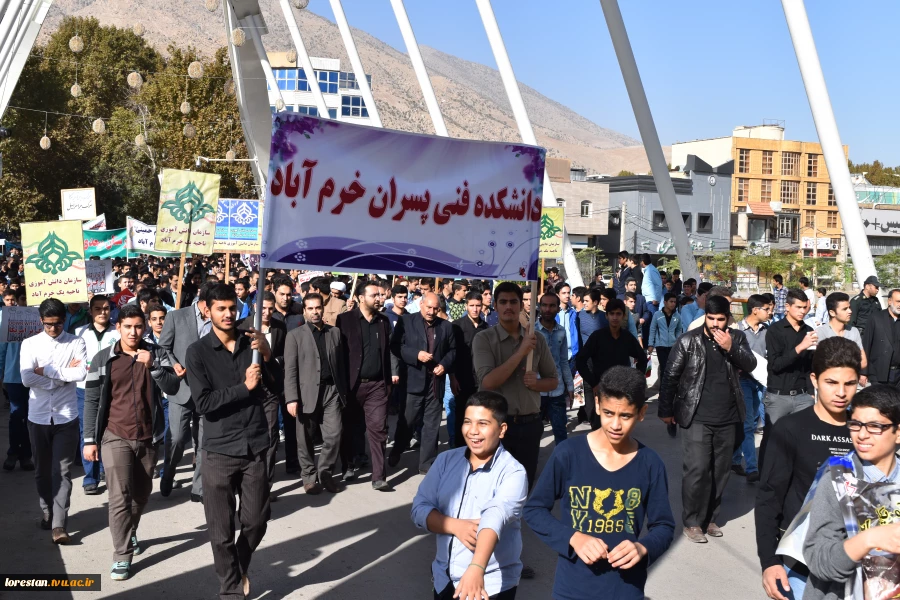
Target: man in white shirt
point(51, 363)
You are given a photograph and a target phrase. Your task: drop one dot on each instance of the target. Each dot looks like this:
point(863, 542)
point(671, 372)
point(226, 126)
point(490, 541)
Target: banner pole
point(353, 287)
point(257, 316)
point(543, 274)
point(180, 281)
point(227, 266)
point(529, 362)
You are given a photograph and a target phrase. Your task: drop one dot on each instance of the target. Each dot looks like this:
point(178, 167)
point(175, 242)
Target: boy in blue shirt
point(608, 485)
point(472, 498)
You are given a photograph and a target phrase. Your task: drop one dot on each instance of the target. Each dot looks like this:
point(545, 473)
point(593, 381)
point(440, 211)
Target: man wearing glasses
point(51, 362)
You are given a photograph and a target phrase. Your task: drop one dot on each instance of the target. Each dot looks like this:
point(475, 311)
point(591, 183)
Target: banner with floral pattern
point(238, 226)
point(188, 201)
point(54, 261)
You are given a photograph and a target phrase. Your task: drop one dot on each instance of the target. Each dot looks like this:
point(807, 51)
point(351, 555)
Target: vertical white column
point(650, 137)
point(358, 70)
point(525, 130)
point(254, 23)
point(829, 137)
point(412, 47)
point(303, 59)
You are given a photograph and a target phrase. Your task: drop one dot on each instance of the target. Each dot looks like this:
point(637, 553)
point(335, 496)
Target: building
point(586, 203)
point(781, 196)
point(339, 88)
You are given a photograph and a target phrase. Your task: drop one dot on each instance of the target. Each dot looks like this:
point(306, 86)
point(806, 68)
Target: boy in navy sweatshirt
point(608, 485)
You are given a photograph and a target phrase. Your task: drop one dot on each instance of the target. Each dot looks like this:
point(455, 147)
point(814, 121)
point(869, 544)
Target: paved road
point(359, 544)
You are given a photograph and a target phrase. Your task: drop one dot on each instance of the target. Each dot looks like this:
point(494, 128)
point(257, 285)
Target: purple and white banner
point(359, 199)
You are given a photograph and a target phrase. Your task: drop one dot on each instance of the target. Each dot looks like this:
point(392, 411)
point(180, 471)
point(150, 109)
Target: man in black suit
point(881, 343)
point(463, 382)
point(365, 339)
point(426, 344)
point(286, 310)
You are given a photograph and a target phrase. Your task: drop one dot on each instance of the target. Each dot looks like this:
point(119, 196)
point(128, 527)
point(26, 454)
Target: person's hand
point(144, 357)
point(588, 548)
point(863, 380)
point(74, 363)
point(723, 339)
point(471, 585)
point(39, 371)
point(424, 356)
point(351, 303)
point(885, 537)
point(90, 453)
point(179, 370)
point(626, 555)
point(529, 342)
point(292, 409)
point(771, 578)
point(649, 350)
point(530, 379)
point(438, 370)
point(466, 531)
point(252, 376)
point(571, 399)
point(808, 340)
point(642, 321)
point(395, 379)
point(668, 420)
point(259, 343)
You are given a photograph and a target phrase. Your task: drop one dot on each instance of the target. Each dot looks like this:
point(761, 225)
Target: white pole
point(650, 137)
point(358, 70)
point(525, 130)
point(622, 230)
point(412, 47)
point(303, 58)
point(829, 137)
point(255, 23)
point(13, 30)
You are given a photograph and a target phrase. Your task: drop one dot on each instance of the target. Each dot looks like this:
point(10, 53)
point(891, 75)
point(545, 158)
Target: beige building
point(781, 196)
point(586, 202)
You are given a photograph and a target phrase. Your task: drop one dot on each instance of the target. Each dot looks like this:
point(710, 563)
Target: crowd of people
point(314, 365)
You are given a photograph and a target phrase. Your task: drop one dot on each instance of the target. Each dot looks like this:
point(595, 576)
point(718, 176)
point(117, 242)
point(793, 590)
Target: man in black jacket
point(623, 273)
point(286, 310)
point(123, 412)
point(865, 304)
point(881, 343)
point(426, 344)
point(463, 382)
point(701, 392)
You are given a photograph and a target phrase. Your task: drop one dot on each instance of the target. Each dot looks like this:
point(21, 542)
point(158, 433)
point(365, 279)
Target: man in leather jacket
point(701, 392)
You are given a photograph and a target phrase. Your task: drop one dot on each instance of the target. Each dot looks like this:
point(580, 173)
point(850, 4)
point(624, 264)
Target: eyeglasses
point(52, 325)
point(874, 428)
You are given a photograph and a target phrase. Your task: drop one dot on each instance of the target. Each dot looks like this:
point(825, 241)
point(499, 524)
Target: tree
point(877, 173)
point(624, 173)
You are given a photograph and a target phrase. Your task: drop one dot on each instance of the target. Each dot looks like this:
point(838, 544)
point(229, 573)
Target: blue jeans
point(92, 469)
point(19, 439)
point(653, 308)
point(753, 393)
point(798, 584)
point(450, 409)
point(554, 407)
point(167, 438)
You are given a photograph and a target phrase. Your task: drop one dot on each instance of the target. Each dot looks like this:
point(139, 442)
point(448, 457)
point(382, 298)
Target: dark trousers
point(328, 419)
point(290, 435)
point(181, 427)
point(706, 454)
point(54, 448)
point(523, 441)
point(129, 480)
point(368, 404)
point(19, 440)
point(461, 399)
point(92, 469)
point(662, 355)
point(447, 593)
point(424, 410)
point(224, 477)
point(270, 408)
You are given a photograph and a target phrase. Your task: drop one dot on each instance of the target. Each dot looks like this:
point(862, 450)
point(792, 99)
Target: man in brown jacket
point(332, 307)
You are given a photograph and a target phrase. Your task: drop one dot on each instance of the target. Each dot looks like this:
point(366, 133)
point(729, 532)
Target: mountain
point(471, 95)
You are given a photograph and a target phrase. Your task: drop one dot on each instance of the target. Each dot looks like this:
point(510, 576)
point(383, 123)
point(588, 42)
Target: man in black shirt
point(463, 382)
point(798, 444)
point(229, 391)
point(881, 343)
point(286, 310)
point(701, 392)
point(865, 304)
point(607, 347)
point(789, 350)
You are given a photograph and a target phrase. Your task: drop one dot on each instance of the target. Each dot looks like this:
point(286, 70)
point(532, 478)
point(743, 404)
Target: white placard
point(78, 204)
point(96, 224)
point(100, 276)
point(19, 322)
point(761, 372)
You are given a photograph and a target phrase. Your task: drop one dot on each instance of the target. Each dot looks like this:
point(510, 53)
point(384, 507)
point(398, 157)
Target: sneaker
point(135, 547)
point(738, 470)
point(382, 486)
point(165, 486)
point(753, 477)
point(10, 463)
point(26, 464)
point(281, 435)
point(92, 489)
point(102, 475)
point(120, 571)
point(59, 535)
point(527, 572)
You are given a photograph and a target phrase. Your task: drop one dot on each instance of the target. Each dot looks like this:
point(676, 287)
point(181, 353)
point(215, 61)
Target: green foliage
point(888, 268)
point(124, 175)
point(625, 174)
point(877, 173)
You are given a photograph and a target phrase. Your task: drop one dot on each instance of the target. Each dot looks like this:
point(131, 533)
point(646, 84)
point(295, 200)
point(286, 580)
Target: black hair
point(610, 293)
point(669, 296)
point(718, 305)
point(52, 307)
point(704, 288)
point(12, 292)
point(595, 295)
point(146, 295)
point(281, 280)
point(687, 300)
point(313, 296)
point(629, 280)
point(132, 310)
point(269, 297)
point(203, 293)
point(770, 297)
point(778, 279)
point(624, 382)
point(398, 290)
point(676, 272)
point(94, 298)
point(822, 290)
point(361, 289)
point(508, 287)
point(579, 292)
point(645, 258)
point(156, 307)
point(493, 401)
point(836, 352)
point(691, 281)
point(474, 296)
point(623, 254)
point(795, 295)
point(244, 282)
point(756, 301)
point(630, 296)
point(885, 398)
point(222, 292)
point(459, 284)
point(429, 281)
point(552, 295)
point(561, 285)
point(321, 284)
point(835, 298)
point(304, 287)
point(804, 281)
point(614, 305)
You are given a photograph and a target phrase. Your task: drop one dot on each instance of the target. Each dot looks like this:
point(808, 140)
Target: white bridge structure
point(21, 21)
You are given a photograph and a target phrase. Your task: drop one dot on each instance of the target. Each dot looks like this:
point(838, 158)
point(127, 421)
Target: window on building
point(812, 165)
point(353, 106)
point(756, 230)
point(743, 189)
point(790, 192)
point(347, 81)
point(704, 223)
point(286, 79)
point(765, 190)
point(810, 192)
point(615, 219)
point(328, 81)
point(743, 160)
point(832, 220)
point(586, 209)
point(332, 113)
point(686, 217)
point(560, 201)
point(767, 161)
point(790, 163)
point(810, 219)
point(659, 221)
point(787, 227)
point(831, 200)
point(773, 230)
point(312, 111)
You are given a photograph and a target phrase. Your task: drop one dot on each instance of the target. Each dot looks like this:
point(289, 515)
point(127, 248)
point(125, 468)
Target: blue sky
point(707, 65)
